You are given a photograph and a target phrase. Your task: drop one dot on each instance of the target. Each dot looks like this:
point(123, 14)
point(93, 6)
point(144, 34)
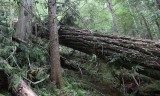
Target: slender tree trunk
point(11, 17)
point(54, 45)
point(149, 33)
point(115, 22)
point(156, 20)
point(158, 25)
point(23, 27)
point(158, 4)
point(133, 17)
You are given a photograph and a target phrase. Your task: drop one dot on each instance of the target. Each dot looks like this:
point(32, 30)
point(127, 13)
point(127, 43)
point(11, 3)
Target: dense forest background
point(114, 47)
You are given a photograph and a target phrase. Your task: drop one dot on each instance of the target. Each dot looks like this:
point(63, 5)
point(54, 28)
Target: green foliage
point(2, 94)
point(155, 85)
point(150, 89)
point(95, 15)
point(6, 67)
point(15, 82)
point(77, 87)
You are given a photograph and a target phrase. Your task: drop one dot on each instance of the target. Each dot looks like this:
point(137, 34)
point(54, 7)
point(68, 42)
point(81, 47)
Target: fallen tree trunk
point(20, 88)
point(127, 52)
point(139, 55)
point(13, 82)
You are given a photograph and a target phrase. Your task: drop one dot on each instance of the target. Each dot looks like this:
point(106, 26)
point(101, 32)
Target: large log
point(129, 52)
point(20, 88)
point(13, 82)
point(140, 55)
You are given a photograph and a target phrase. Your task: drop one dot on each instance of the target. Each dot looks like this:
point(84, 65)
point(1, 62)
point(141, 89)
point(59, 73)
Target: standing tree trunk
point(158, 4)
point(158, 25)
point(132, 13)
point(23, 27)
point(149, 33)
point(110, 6)
point(156, 20)
point(11, 14)
point(54, 45)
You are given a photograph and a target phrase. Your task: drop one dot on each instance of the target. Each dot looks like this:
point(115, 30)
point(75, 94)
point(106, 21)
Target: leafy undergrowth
point(30, 62)
point(73, 86)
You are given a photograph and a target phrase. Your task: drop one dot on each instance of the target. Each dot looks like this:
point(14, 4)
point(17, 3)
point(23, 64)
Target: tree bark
point(20, 88)
point(158, 4)
point(128, 52)
point(139, 55)
point(23, 27)
point(115, 22)
point(13, 82)
point(149, 33)
point(54, 45)
point(158, 25)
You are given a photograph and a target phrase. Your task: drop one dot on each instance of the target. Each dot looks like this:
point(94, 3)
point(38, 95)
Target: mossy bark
point(10, 81)
point(19, 87)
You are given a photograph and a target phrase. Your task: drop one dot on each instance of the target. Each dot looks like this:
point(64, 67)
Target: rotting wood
point(13, 82)
point(20, 88)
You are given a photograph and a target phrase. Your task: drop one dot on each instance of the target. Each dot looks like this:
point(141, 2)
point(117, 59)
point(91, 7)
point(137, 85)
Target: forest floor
point(92, 77)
